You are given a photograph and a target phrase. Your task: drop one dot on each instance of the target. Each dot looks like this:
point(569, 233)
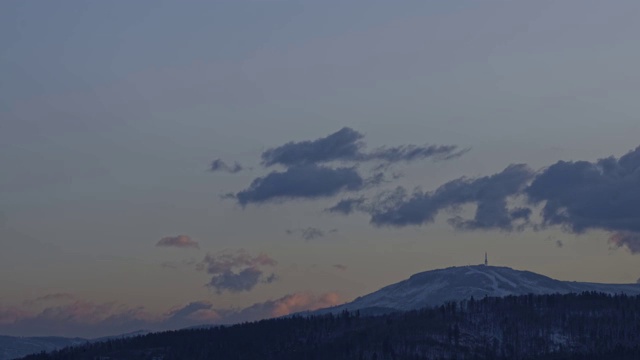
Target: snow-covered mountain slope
point(436, 287)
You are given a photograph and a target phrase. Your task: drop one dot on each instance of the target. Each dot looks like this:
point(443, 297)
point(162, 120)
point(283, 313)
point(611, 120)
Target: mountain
point(436, 287)
point(12, 347)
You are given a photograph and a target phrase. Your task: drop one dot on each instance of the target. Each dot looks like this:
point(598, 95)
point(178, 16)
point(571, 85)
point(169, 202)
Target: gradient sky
point(111, 114)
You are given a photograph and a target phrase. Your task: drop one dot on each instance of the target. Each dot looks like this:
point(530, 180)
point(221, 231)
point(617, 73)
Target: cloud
point(583, 195)
point(220, 165)
point(346, 145)
point(409, 153)
point(311, 233)
point(204, 312)
point(342, 145)
point(10, 315)
point(630, 240)
point(302, 182)
point(347, 206)
point(237, 271)
point(90, 319)
point(576, 195)
point(192, 314)
point(178, 264)
point(307, 175)
point(179, 241)
point(289, 304)
point(74, 318)
point(489, 193)
point(340, 267)
point(48, 298)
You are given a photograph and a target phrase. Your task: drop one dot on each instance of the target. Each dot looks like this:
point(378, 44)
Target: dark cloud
point(237, 271)
point(303, 182)
point(307, 175)
point(347, 206)
point(342, 145)
point(559, 244)
point(244, 280)
point(409, 153)
point(489, 193)
point(310, 233)
point(179, 241)
point(603, 195)
point(346, 145)
point(220, 165)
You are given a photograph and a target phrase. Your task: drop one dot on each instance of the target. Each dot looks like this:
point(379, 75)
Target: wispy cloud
point(48, 298)
point(310, 233)
point(178, 264)
point(220, 165)
point(179, 241)
point(347, 206)
point(340, 267)
point(344, 144)
point(347, 145)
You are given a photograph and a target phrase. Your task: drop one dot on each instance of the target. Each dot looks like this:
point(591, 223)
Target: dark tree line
point(573, 326)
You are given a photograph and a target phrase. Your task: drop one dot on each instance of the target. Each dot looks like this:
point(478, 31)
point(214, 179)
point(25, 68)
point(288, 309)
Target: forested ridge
point(571, 326)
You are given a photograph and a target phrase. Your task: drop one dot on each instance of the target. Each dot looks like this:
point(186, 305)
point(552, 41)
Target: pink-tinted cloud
point(630, 240)
point(179, 241)
point(88, 319)
point(288, 304)
point(303, 301)
point(9, 315)
point(74, 318)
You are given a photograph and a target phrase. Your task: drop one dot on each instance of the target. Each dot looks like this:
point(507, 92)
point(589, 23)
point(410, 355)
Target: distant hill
point(432, 288)
point(12, 347)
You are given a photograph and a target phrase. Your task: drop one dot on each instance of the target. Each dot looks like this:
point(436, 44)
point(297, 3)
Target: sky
point(167, 164)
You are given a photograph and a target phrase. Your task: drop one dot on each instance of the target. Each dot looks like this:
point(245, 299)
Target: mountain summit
point(435, 287)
